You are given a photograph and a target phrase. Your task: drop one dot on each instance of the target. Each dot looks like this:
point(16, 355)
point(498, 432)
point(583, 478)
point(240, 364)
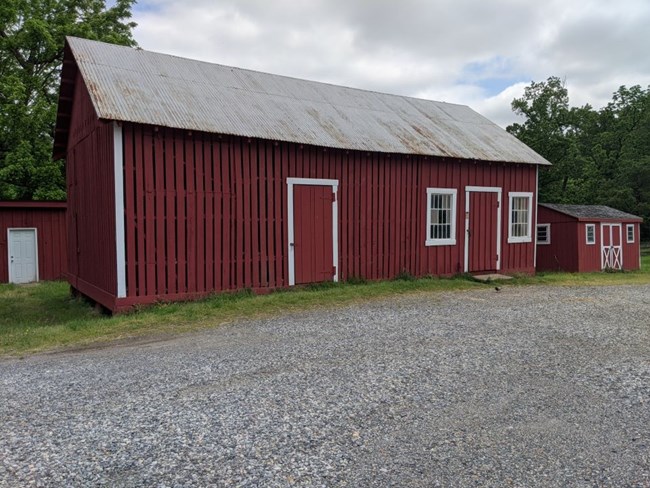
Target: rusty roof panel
point(133, 85)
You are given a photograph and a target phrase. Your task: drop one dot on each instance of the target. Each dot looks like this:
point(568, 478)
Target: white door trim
point(290, 230)
point(482, 189)
point(120, 242)
point(615, 254)
point(9, 229)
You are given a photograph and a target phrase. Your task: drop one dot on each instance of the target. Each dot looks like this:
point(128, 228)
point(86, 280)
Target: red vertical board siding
point(51, 236)
point(129, 199)
point(222, 211)
point(171, 258)
point(160, 219)
point(91, 201)
point(210, 245)
point(585, 257)
point(199, 207)
point(631, 250)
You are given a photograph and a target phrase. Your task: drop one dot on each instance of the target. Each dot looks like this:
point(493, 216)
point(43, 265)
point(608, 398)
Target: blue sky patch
point(493, 75)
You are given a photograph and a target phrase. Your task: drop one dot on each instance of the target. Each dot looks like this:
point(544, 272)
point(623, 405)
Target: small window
point(544, 234)
point(519, 226)
point(590, 233)
point(630, 233)
point(441, 217)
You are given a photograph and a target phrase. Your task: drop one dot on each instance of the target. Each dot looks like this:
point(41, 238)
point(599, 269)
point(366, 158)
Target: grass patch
point(43, 316)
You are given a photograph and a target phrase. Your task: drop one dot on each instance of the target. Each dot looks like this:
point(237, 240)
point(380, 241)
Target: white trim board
point(120, 240)
point(482, 189)
point(290, 230)
point(9, 229)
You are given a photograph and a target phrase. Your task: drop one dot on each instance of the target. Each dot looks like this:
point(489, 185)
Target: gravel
point(531, 386)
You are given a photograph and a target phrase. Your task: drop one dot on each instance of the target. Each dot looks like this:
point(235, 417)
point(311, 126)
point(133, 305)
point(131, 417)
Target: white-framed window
point(543, 233)
point(441, 217)
point(520, 221)
point(629, 231)
point(590, 233)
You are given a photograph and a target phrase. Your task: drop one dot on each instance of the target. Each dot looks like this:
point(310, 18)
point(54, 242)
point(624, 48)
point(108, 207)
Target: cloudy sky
point(478, 53)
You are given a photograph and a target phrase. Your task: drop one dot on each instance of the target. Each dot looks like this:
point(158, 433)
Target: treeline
point(600, 157)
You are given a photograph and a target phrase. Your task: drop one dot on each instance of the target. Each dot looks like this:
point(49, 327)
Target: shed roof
point(591, 212)
point(134, 85)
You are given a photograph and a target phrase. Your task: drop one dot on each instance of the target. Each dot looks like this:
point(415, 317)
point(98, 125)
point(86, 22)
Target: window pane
point(519, 217)
point(591, 238)
point(441, 215)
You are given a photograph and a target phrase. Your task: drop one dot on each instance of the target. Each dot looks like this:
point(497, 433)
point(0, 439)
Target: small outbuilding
point(583, 238)
point(33, 241)
point(186, 178)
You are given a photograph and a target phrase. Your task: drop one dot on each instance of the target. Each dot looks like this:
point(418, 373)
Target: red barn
point(33, 241)
point(582, 238)
point(186, 178)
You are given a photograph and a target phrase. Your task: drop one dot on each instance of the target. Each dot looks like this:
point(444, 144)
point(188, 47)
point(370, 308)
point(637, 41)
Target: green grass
point(43, 316)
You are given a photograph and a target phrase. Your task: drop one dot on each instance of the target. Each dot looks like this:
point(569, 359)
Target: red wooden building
point(186, 178)
point(582, 238)
point(33, 241)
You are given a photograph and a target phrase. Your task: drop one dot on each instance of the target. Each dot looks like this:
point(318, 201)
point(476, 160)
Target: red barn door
point(312, 240)
point(482, 246)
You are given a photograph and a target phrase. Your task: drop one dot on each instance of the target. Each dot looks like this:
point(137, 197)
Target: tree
point(553, 130)
point(32, 35)
point(599, 157)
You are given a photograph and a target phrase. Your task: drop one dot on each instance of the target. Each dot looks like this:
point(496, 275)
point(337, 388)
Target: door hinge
point(333, 196)
point(333, 271)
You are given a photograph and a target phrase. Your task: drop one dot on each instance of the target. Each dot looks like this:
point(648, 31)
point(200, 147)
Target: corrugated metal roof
point(133, 85)
point(595, 212)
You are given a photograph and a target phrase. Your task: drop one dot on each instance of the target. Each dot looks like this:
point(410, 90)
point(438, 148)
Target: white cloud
point(481, 54)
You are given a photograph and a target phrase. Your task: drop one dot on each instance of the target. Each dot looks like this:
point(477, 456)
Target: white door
point(23, 258)
point(611, 240)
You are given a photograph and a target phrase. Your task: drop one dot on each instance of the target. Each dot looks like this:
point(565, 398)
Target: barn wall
point(562, 252)
point(51, 236)
point(205, 212)
point(91, 196)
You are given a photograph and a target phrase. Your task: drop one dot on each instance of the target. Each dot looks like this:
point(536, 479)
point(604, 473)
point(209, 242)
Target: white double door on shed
point(23, 255)
point(611, 246)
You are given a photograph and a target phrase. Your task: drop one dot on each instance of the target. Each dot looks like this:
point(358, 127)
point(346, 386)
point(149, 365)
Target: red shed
point(582, 238)
point(33, 241)
point(186, 178)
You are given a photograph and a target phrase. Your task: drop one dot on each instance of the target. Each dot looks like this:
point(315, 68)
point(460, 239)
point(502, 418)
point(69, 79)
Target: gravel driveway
point(532, 386)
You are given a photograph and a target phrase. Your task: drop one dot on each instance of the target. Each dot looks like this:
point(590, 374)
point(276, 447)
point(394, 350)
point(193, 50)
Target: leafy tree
point(32, 35)
point(599, 157)
point(554, 130)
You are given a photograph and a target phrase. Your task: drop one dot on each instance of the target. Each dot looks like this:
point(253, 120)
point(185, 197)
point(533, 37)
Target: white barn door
point(23, 256)
point(611, 240)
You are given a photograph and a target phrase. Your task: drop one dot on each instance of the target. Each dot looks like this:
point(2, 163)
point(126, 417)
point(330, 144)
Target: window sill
point(518, 240)
point(440, 242)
